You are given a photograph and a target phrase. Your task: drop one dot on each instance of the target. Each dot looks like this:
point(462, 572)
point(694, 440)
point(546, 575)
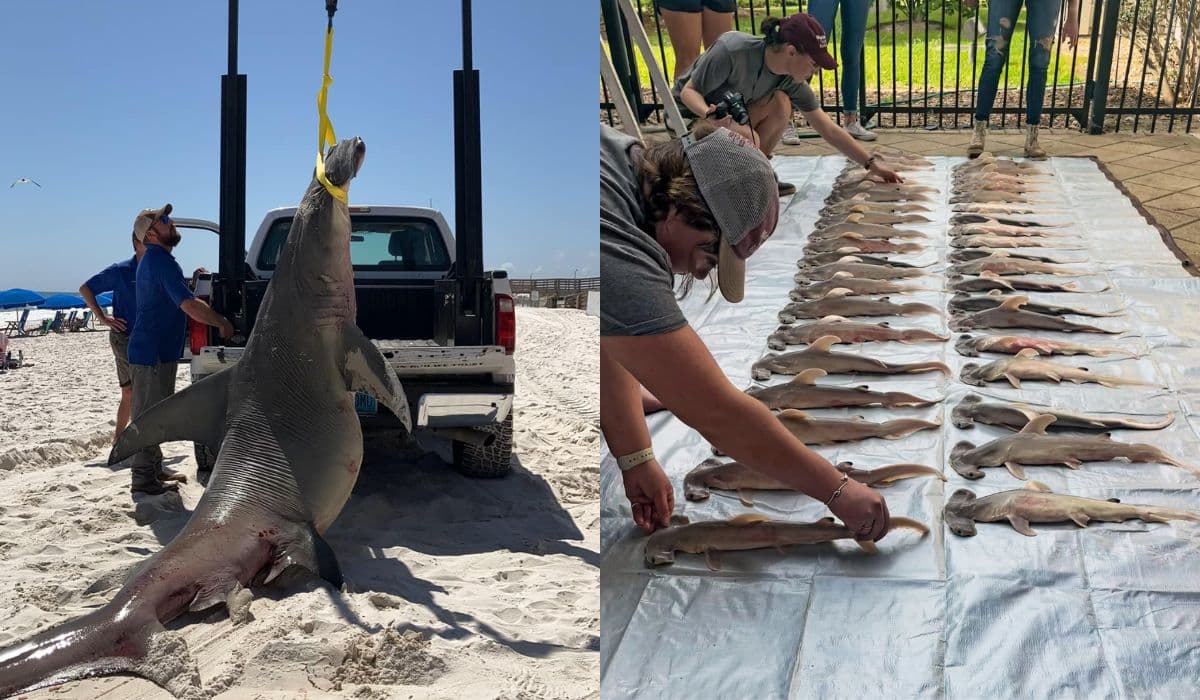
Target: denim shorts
point(696, 5)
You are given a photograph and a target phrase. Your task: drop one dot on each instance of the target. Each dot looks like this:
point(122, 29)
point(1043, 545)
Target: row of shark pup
point(848, 272)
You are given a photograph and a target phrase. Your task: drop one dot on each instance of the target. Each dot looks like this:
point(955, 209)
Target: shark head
point(957, 513)
point(962, 416)
point(343, 160)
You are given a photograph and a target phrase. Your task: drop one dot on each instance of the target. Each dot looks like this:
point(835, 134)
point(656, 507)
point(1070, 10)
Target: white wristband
point(630, 461)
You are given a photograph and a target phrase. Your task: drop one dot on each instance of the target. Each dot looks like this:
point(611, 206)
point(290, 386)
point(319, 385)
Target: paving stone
point(1170, 219)
point(1165, 181)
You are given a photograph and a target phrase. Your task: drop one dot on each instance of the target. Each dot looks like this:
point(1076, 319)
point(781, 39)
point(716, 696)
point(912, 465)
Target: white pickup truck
point(403, 259)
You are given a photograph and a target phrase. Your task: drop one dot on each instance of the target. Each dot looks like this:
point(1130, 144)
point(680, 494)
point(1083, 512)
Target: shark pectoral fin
point(367, 370)
point(1015, 469)
point(1021, 525)
point(867, 546)
point(744, 498)
point(195, 413)
point(712, 560)
point(1080, 519)
point(304, 547)
point(1012, 379)
point(1037, 486)
point(1073, 463)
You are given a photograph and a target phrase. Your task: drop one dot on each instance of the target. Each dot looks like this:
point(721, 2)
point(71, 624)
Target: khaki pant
point(151, 384)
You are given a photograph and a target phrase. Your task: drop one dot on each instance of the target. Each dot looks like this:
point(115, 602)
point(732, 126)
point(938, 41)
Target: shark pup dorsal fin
point(809, 376)
point(1038, 425)
point(824, 343)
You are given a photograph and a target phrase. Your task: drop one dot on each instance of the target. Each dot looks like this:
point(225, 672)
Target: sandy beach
point(456, 587)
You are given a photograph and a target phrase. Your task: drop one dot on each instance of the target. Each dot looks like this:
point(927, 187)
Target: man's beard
point(172, 240)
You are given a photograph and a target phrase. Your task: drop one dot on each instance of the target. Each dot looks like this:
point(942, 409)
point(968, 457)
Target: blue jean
point(854, 30)
point(1042, 21)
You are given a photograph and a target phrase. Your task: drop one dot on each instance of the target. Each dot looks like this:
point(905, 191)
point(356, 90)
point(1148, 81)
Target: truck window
point(377, 244)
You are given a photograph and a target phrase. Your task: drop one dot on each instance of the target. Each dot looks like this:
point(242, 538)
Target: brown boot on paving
point(1032, 148)
point(977, 140)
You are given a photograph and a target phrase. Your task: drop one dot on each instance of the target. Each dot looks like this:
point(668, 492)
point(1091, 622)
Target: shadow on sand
point(419, 502)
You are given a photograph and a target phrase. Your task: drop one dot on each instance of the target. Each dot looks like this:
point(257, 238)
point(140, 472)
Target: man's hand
point(884, 172)
point(650, 495)
point(225, 329)
point(114, 322)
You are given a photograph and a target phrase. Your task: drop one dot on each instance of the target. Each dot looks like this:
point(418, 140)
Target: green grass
point(942, 58)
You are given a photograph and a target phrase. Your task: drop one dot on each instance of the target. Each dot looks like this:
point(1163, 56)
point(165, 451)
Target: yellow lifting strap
point(325, 136)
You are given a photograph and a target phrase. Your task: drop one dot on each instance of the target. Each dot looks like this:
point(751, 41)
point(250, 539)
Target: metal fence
point(1135, 67)
point(554, 292)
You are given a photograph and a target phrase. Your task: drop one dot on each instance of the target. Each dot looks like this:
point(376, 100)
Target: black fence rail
point(1136, 65)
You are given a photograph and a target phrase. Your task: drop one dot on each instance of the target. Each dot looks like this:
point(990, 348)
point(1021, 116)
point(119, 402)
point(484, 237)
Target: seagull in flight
point(22, 181)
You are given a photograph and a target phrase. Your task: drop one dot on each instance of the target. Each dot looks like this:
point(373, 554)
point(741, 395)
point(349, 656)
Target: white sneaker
point(858, 131)
point(790, 138)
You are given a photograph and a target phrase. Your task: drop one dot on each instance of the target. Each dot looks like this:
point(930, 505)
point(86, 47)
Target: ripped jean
point(1042, 21)
point(854, 30)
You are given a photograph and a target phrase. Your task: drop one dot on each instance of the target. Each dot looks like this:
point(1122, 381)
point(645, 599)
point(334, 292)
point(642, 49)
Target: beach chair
point(66, 323)
point(57, 323)
point(86, 323)
point(78, 324)
point(16, 329)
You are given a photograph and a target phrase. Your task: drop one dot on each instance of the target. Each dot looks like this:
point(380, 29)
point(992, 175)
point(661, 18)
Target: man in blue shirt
point(118, 278)
point(164, 301)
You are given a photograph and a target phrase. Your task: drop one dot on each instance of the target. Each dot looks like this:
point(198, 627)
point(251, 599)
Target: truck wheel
point(489, 462)
point(205, 461)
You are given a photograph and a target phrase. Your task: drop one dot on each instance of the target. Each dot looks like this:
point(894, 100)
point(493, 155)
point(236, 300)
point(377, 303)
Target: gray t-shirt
point(735, 62)
point(636, 284)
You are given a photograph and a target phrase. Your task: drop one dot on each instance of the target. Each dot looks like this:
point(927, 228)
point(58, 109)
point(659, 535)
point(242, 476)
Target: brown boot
point(1032, 149)
point(977, 139)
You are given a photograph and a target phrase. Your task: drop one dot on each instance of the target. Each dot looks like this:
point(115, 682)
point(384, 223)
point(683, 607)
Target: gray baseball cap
point(739, 187)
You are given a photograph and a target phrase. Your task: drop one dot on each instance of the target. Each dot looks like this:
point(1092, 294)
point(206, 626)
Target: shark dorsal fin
point(1027, 353)
point(853, 235)
point(833, 319)
point(996, 293)
point(678, 519)
point(988, 274)
point(1014, 303)
point(1038, 425)
point(824, 343)
point(1037, 486)
point(854, 218)
point(793, 414)
point(841, 274)
point(850, 259)
point(748, 519)
point(809, 376)
point(849, 251)
point(838, 293)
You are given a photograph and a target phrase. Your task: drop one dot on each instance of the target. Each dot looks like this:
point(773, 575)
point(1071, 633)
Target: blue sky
point(115, 106)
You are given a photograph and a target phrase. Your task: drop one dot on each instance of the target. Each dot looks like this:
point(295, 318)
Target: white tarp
point(1108, 611)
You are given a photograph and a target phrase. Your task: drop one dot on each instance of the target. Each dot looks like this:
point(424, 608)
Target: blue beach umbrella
point(104, 299)
point(17, 298)
point(64, 301)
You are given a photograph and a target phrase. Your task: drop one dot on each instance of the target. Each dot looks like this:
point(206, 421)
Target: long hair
point(669, 181)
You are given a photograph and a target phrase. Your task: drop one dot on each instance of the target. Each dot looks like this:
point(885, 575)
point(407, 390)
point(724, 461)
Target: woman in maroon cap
point(770, 75)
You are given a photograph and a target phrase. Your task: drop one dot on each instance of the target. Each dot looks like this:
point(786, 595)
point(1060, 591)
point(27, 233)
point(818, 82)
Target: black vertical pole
point(232, 246)
point(1108, 40)
point(620, 50)
point(468, 200)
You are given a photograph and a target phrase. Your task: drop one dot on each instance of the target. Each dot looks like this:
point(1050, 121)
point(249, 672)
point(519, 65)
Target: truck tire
point(205, 461)
point(489, 462)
